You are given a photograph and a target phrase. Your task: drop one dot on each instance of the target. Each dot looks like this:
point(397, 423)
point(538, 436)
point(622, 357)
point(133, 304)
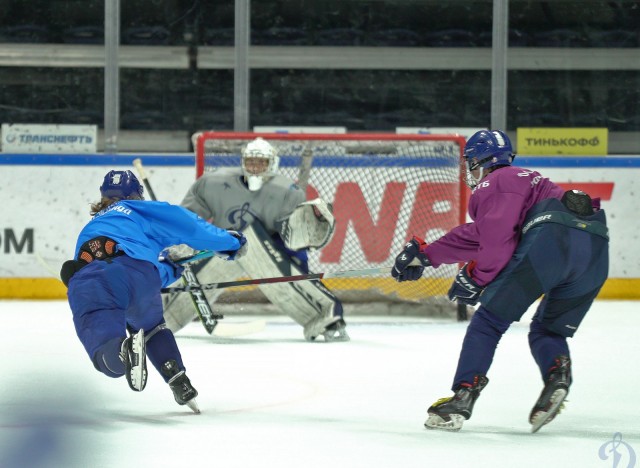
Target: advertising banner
point(47, 139)
point(555, 141)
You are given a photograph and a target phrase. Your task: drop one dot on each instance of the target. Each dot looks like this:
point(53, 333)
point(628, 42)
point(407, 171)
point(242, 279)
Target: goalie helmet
point(122, 185)
point(259, 162)
point(484, 150)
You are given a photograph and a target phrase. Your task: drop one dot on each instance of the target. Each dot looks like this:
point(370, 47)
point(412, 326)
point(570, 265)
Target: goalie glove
point(464, 289)
point(310, 225)
point(410, 263)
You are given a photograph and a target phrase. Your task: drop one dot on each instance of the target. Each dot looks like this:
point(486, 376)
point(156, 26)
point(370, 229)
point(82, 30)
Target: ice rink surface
point(273, 400)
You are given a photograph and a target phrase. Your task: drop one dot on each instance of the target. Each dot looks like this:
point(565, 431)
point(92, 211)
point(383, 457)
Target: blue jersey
point(142, 229)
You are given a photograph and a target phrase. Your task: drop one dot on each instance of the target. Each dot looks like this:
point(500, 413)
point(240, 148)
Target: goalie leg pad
point(308, 303)
point(179, 309)
point(331, 327)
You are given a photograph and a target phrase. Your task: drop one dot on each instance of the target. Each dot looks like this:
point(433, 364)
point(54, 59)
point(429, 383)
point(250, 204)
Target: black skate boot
point(183, 391)
point(553, 394)
point(133, 354)
point(450, 413)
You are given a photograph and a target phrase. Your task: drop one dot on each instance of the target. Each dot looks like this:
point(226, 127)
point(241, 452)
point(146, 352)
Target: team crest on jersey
point(241, 217)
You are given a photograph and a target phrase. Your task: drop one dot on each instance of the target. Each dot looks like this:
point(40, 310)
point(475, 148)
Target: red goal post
point(384, 188)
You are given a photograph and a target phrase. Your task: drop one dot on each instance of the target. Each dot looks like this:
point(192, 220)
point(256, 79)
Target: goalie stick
point(209, 319)
point(280, 279)
point(305, 167)
point(137, 163)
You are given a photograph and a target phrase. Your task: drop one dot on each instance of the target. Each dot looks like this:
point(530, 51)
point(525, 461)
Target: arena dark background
point(174, 83)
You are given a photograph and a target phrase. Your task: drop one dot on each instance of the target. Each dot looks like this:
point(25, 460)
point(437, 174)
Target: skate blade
point(541, 418)
point(336, 336)
point(139, 371)
point(436, 422)
point(193, 406)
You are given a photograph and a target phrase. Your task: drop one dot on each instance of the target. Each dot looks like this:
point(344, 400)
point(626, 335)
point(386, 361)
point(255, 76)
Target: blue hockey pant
point(107, 298)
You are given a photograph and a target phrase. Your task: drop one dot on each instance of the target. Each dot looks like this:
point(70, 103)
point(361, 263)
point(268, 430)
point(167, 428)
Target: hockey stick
point(281, 279)
point(194, 258)
point(305, 167)
point(209, 319)
point(137, 163)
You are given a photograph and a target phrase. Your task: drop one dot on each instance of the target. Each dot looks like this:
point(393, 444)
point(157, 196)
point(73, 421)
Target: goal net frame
point(384, 146)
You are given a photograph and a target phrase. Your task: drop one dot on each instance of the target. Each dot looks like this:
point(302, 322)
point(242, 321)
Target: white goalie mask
point(259, 162)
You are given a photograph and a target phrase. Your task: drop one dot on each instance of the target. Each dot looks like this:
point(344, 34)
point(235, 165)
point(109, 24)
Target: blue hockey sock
point(479, 346)
point(162, 347)
point(546, 346)
point(107, 358)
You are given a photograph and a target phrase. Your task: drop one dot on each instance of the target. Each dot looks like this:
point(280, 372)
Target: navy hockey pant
point(481, 340)
point(567, 266)
point(109, 297)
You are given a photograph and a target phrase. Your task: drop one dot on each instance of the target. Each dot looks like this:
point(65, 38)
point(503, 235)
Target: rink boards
point(46, 199)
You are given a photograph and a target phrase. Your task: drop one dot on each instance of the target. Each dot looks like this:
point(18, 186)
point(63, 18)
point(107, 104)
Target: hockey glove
point(409, 265)
point(165, 257)
point(464, 289)
point(235, 254)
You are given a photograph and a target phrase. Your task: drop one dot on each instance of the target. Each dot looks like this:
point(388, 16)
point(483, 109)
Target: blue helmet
point(121, 184)
point(486, 149)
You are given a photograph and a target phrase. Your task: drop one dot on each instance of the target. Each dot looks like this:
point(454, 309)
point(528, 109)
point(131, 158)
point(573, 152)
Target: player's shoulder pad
point(125, 207)
point(219, 174)
point(281, 182)
point(509, 179)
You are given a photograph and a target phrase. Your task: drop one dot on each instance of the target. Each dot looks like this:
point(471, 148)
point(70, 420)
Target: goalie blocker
point(308, 303)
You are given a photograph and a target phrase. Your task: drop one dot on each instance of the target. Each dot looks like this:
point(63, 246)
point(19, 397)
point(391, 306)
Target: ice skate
point(332, 329)
point(551, 400)
point(449, 414)
point(133, 354)
point(183, 391)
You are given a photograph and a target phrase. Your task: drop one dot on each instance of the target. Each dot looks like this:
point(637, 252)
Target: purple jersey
point(497, 206)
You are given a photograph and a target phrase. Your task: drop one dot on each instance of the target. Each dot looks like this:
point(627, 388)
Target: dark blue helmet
point(121, 184)
point(486, 149)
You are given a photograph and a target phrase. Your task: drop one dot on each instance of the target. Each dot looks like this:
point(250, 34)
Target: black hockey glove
point(410, 263)
point(464, 289)
point(236, 254)
point(165, 257)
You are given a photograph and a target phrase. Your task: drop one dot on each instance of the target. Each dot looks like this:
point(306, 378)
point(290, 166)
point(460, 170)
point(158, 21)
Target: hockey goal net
point(384, 188)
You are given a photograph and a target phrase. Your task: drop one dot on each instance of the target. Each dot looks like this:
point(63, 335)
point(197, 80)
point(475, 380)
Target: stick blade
point(232, 329)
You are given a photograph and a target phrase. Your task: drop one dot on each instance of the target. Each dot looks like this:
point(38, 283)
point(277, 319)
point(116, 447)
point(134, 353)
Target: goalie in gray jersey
point(280, 226)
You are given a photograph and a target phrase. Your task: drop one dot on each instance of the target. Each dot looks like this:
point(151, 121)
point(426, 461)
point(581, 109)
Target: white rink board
point(54, 202)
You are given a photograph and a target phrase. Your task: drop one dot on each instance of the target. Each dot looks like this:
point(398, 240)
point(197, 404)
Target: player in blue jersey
point(528, 238)
point(114, 281)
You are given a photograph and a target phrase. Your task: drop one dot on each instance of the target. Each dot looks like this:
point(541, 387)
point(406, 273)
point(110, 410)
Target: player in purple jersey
point(115, 280)
point(527, 238)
